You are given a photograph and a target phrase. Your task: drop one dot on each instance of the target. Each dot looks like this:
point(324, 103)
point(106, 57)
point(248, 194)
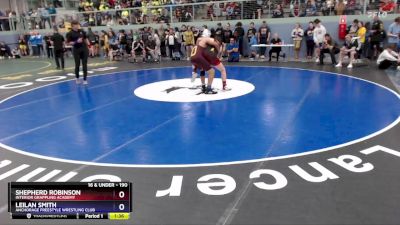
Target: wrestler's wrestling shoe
point(210, 92)
point(226, 88)
point(194, 76)
point(203, 88)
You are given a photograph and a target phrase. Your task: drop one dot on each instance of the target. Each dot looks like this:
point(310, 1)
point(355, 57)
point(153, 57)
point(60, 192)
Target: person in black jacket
point(5, 51)
point(78, 40)
point(263, 37)
point(47, 41)
point(92, 42)
point(57, 41)
point(239, 34)
point(275, 41)
point(377, 36)
point(329, 46)
point(226, 37)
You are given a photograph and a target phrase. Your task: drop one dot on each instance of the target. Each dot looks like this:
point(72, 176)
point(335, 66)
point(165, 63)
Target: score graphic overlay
point(76, 200)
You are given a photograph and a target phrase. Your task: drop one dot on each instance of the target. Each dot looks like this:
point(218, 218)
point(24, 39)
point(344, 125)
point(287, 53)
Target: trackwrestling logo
point(182, 90)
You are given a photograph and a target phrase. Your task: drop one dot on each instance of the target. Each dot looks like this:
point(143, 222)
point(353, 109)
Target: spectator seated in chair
point(278, 12)
point(310, 10)
point(5, 51)
point(294, 9)
point(16, 53)
point(116, 54)
point(150, 47)
point(138, 49)
point(349, 48)
point(328, 46)
point(233, 51)
point(114, 51)
point(275, 41)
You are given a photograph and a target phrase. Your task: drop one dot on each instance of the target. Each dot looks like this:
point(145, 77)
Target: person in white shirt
point(171, 42)
point(387, 59)
point(319, 37)
point(178, 44)
point(206, 32)
point(297, 35)
point(156, 37)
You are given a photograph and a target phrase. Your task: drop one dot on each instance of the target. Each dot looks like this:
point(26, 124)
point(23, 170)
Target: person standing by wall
point(239, 35)
point(92, 42)
point(361, 34)
point(297, 36)
point(22, 45)
point(33, 44)
point(57, 40)
point(226, 37)
point(157, 39)
point(219, 31)
point(49, 50)
point(253, 50)
point(309, 34)
point(78, 39)
point(170, 40)
point(106, 43)
point(26, 37)
point(319, 37)
point(188, 38)
point(39, 43)
point(393, 34)
point(377, 36)
point(264, 35)
point(179, 39)
point(366, 47)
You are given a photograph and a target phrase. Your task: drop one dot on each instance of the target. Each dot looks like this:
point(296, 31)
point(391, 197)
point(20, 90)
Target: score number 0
point(121, 206)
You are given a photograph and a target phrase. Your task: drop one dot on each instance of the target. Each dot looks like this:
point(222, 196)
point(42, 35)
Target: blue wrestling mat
point(157, 117)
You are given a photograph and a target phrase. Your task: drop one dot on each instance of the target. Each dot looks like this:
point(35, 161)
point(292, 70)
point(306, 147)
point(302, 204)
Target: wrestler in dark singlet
point(199, 60)
point(211, 54)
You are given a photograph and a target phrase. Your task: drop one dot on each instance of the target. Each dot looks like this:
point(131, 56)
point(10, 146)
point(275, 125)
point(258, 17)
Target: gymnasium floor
point(292, 143)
